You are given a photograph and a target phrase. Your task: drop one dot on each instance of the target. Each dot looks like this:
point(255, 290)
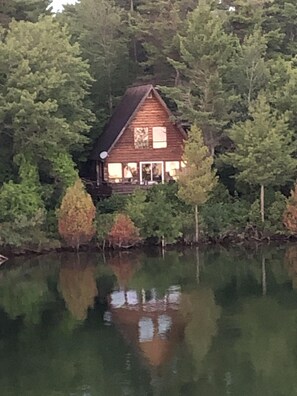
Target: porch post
point(97, 173)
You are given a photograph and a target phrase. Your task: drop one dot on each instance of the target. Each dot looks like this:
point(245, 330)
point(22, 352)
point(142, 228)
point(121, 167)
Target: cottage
point(140, 145)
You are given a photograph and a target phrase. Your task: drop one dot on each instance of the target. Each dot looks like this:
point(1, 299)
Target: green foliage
point(275, 212)
point(205, 50)
point(197, 179)
point(136, 208)
point(24, 232)
point(99, 27)
point(29, 10)
point(263, 147)
point(44, 85)
point(160, 219)
point(64, 169)
point(220, 219)
point(103, 224)
point(22, 199)
point(116, 203)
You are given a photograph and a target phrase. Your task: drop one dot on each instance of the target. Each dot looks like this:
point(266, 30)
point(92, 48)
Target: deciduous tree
point(76, 216)
point(44, 85)
point(197, 179)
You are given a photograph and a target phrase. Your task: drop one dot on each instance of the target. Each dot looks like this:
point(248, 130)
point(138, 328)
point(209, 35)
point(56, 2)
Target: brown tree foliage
point(76, 216)
point(124, 233)
point(124, 265)
point(77, 282)
point(290, 215)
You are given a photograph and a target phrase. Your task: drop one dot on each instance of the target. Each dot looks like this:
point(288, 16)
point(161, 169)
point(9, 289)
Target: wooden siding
point(151, 114)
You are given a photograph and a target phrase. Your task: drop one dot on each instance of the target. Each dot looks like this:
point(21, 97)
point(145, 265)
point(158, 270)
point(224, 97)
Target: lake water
point(194, 323)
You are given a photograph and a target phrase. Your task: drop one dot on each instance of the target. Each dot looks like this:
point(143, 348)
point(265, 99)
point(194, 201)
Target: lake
point(194, 322)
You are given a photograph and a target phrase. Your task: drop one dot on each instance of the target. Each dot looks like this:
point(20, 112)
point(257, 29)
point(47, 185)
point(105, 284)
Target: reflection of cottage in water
point(150, 322)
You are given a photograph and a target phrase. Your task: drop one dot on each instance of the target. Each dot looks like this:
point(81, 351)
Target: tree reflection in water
point(201, 313)
point(77, 283)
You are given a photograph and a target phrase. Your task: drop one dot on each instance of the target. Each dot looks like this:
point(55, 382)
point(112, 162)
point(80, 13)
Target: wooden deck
point(105, 190)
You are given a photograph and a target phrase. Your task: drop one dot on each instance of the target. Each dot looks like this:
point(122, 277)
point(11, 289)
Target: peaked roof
point(123, 115)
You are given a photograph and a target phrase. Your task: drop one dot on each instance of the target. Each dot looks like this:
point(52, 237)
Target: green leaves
point(44, 89)
point(263, 147)
point(197, 179)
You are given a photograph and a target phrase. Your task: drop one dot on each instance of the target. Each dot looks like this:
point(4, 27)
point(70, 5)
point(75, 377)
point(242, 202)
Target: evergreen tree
point(205, 51)
point(27, 10)
point(280, 27)
point(156, 25)
point(100, 29)
point(197, 179)
point(263, 149)
point(248, 72)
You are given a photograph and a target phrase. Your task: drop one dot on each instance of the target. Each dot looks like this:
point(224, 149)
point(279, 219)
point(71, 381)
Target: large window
point(151, 172)
point(159, 137)
point(141, 138)
point(115, 172)
point(171, 170)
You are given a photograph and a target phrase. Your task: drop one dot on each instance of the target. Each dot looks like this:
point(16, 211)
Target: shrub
point(290, 215)
point(123, 234)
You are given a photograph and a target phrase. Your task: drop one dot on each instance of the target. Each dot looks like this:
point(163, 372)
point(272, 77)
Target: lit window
point(130, 171)
point(171, 169)
point(115, 172)
point(141, 137)
point(159, 137)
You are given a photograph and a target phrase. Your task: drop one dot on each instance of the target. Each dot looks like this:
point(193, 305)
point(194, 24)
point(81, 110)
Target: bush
point(104, 223)
point(116, 203)
point(219, 219)
point(123, 233)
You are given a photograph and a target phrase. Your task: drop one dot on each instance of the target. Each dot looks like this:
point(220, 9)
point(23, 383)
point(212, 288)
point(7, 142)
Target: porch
point(105, 190)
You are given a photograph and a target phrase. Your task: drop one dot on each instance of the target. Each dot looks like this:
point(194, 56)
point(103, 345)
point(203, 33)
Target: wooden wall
point(151, 114)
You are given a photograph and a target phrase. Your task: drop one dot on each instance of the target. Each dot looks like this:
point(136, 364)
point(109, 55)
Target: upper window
point(159, 137)
point(141, 137)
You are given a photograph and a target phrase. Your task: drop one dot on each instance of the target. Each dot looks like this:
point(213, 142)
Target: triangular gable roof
point(123, 115)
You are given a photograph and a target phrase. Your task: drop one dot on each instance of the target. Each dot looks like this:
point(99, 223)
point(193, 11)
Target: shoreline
point(227, 241)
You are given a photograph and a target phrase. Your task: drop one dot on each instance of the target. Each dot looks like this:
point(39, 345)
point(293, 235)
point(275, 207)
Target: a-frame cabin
point(141, 145)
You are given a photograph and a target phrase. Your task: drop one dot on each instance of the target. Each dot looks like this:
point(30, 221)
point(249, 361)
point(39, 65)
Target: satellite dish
point(103, 155)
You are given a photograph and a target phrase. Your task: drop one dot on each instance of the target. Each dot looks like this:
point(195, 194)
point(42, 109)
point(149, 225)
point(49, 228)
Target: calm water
point(214, 322)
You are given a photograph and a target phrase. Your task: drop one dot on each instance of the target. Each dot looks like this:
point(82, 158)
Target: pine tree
point(101, 30)
point(197, 179)
point(199, 92)
point(27, 10)
point(263, 149)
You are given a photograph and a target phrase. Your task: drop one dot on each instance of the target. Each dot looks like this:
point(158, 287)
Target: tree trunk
point(197, 266)
point(264, 282)
point(197, 224)
point(262, 203)
point(163, 242)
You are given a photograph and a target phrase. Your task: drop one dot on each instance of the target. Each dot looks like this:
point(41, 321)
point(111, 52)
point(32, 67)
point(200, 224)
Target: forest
point(226, 68)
